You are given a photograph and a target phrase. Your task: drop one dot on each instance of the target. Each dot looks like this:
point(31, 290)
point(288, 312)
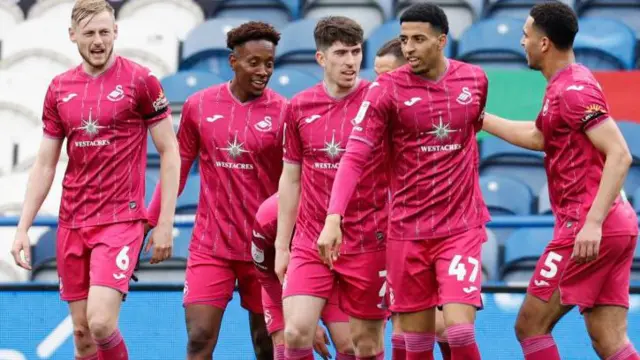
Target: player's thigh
point(307, 275)
point(248, 286)
point(73, 260)
point(459, 274)
point(607, 327)
point(411, 277)
point(538, 317)
point(115, 250)
point(209, 280)
point(615, 290)
point(362, 284)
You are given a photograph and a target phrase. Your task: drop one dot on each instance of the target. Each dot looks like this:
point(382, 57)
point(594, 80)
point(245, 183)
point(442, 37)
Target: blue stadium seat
point(288, 82)
point(368, 13)
point(605, 44)
point(631, 132)
point(153, 157)
point(506, 196)
point(544, 202)
point(490, 256)
point(493, 42)
point(43, 257)
point(187, 202)
point(636, 202)
point(386, 32)
point(627, 11)
point(275, 12)
point(522, 250)
point(150, 182)
point(516, 9)
point(500, 158)
point(205, 47)
point(368, 74)
point(179, 86)
point(297, 47)
point(171, 270)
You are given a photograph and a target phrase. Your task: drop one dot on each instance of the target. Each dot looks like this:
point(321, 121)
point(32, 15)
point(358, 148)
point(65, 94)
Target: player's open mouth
point(413, 61)
point(259, 83)
point(97, 52)
point(349, 73)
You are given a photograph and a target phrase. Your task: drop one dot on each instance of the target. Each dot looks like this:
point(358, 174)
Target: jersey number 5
point(550, 263)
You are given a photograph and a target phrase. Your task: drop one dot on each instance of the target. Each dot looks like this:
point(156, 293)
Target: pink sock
point(376, 357)
point(398, 349)
point(628, 352)
point(343, 356)
point(540, 348)
point(462, 341)
point(298, 354)
point(112, 347)
point(419, 345)
point(88, 357)
point(279, 353)
point(445, 349)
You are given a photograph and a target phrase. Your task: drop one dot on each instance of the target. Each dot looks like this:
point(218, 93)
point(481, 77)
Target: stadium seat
point(178, 16)
point(627, 11)
point(275, 12)
point(149, 43)
point(605, 44)
point(490, 256)
point(288, 82)
point(205, 48)
point(55, 11)
point(179, 86)
point(522, 250)
point(631, 132)
point(499, 158)
point(544, 201)
point(506, 196)
point(493, 42)
point(187, 202)
point(14, 187)
point(43, 258)
point(171, 270)
point(27, 149)
point(150, 182)
point(368, 74)
point(10, 16)
point(297, 47)
point(460, 14)
point(21, 101)
point(6, 147)
point(516, 9)
point(636, 200)
point(386, 32)
point(368, 13)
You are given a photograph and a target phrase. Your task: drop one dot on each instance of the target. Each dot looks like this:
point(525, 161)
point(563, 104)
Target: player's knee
point(365, 345)
point(200, 340)
point(607, 340)
point(101, 326)
point(82, 339)
point(343, 345)
point(296, 336)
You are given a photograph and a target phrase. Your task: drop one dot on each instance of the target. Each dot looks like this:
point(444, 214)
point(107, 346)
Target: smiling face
point(422, 45)
point(253, 64)
point(95, 35)
point(341, 64)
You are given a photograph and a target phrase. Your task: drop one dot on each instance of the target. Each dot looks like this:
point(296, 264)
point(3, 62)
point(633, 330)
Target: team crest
point(264, 125)
point(117, 94)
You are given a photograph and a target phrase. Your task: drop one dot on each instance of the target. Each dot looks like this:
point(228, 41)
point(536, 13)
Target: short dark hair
point(558, 22)
point(337, 28)
point(252, 30)
point(427, 13)
point(391, 47)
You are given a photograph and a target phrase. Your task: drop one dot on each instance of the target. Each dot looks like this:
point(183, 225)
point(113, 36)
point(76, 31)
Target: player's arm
point(524, 134)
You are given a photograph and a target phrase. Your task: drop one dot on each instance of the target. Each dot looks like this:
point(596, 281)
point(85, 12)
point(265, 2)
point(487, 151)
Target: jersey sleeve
point(51, 122)
point(292, 144)
point(484, 88)
point(153, 106)
point(583, 106)
point(189, 132)
point(370, 123)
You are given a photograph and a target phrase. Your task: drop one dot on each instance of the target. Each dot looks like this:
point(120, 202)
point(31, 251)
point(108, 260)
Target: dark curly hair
point(557, 21)
point(337, 28)
point(252, 30)
point(427, 13)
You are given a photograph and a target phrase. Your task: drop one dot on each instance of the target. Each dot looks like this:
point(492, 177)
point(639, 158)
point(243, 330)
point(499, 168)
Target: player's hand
point(587, 243)
point(22, 244)
point(161, 240)
point(282, 262)
point(330, 240)
point(320, 342)
point(147, 228)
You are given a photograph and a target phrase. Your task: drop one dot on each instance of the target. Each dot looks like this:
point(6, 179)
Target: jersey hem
point(67, 225)
point(442, 235)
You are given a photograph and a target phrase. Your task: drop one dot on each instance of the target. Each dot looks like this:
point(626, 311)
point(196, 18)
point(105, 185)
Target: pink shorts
point(425, 274)
point(604, 281)
point(272, 304)
point(103, 255)
point(211, 280)
point(359, 280)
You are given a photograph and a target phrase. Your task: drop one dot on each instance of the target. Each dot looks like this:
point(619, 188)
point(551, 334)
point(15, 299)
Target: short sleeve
point(370, 122)
point(51, 122)
point(292, 144)
point(153, 106)
point(484, 93)
point(188, 132)
point(583, 106)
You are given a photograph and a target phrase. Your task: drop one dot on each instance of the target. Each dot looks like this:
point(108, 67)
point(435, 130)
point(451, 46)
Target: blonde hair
point(88, 9)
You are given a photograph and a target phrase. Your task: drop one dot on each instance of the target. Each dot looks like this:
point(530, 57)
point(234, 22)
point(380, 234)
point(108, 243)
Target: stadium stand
point(275, 12)
point(179, 86)
point(605, 44)
point(368, 13)
point(180, 16)
point(522, 250)
point(506, 196)
point(627, 11)
point(493, 42)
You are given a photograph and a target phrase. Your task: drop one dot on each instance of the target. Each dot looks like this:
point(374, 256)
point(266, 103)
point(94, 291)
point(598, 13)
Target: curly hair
point(252, 30)
point(337, 28)
point(557, 21)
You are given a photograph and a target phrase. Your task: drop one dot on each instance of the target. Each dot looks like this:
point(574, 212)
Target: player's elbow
point(621, 156)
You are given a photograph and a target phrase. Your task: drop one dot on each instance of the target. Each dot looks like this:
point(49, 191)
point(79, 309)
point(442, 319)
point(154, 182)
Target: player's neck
point(437, 72)
point(336, 91)
point(97, 71)
point(557, 63)
point(238, 93)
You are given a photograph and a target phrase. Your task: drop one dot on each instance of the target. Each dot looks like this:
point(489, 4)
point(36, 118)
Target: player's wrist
point(333, 219)
point(281, 245)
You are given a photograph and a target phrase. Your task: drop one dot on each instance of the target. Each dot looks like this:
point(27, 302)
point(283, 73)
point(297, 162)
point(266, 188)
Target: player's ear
point(320, 58)
point(545, 44)
point(115, 31)
point(72, 34)
point(442, 41)
point(233, 60)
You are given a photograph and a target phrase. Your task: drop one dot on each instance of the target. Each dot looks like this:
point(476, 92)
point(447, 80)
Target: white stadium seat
point(180, 16)
point(149, 43)
point(55, 11)
point(9, 271)
point(10, 16)
point(21, 101)
point(14, 187)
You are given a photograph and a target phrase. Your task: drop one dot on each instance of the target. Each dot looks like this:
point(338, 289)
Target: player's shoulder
point(577, 81)
point(465, 70)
